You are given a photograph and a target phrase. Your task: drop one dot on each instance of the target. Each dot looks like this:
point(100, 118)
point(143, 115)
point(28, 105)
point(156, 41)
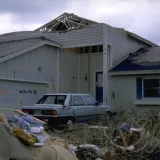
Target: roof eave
point(15, 54)
point(140, 39)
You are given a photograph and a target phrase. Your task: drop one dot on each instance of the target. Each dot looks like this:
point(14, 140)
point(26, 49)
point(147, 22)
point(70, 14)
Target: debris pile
point(116, 138)
point(132, 139)
point(23, 138)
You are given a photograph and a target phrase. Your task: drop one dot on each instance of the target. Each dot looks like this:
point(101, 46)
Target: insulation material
point(12, 148)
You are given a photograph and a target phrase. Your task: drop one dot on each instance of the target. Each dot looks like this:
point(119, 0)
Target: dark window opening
point(151, 87)
point(94, 49)
point(101, 48)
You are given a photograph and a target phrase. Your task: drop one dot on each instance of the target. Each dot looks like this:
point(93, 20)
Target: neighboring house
point(136, 80)
point(68, 54)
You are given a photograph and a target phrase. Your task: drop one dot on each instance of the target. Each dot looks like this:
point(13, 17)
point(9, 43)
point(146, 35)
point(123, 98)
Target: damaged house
point(136, 80)
point(68, 54)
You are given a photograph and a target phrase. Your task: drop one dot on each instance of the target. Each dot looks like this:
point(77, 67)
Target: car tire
point(71, 122)
point(109, 113)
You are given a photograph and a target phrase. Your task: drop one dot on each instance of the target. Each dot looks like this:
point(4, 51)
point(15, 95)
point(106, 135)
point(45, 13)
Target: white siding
point(96, 64)
point(121, 44)
point(68, 72)
point(124, 88)
point(22, 73)
point(92, 35)
point(12, 95)
point(25, 67)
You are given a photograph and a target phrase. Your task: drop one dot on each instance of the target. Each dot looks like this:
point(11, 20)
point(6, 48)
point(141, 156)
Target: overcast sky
point(138, 16)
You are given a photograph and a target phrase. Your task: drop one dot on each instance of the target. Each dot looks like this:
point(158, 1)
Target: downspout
point(78, 73)
point(89, 71)
point(105, 65)
point(57, 88)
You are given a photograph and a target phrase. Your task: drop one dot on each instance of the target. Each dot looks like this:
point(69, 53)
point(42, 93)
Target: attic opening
point(85, 49)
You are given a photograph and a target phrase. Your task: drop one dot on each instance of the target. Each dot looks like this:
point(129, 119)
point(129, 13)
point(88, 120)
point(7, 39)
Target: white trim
point(57, 88)
point(23, 80)
point(147, 102)
point(27, 50)
point(114, 73)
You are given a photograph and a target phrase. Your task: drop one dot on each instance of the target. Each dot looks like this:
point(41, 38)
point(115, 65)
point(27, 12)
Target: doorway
point(99, 87)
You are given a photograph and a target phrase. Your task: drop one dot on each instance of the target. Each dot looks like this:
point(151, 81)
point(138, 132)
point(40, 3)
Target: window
point(77, 101)
point(151, 87)
point(88, 100)
point(52, 99)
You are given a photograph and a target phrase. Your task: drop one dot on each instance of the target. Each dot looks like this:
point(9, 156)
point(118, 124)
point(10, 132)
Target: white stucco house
point(68, 54)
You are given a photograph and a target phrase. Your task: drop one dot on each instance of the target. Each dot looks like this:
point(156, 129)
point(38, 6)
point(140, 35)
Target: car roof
point(51, 94)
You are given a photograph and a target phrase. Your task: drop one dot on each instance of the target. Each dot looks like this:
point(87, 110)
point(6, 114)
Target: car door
point(91, 106)
point(79, 108)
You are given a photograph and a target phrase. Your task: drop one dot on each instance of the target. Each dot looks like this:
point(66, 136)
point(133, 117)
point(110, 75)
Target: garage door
point(18, 94)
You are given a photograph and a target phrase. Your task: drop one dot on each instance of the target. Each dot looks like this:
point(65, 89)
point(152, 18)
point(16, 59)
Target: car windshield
point(52, 99)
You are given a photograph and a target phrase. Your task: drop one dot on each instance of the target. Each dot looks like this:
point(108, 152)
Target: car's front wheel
point(71, 122)
point(109, 113)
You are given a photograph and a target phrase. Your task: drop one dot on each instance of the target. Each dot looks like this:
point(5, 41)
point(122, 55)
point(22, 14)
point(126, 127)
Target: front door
point(99, 87)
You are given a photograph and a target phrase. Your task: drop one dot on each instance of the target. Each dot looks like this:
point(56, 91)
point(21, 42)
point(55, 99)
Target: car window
point(49, 100)
point(77, 101)
point(88, 100)
point(53, 99)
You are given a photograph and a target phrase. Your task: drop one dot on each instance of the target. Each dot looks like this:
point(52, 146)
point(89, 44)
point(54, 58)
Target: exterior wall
point(124, 89)
point(25, 66)
point(68, 72)
point(96, 64)
point(15, 94)
point(92, 35)
point(121, 44)
point(21, 83)
point(73, 72)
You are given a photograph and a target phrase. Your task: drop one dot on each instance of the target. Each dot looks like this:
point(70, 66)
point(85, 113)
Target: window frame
point(148, 98)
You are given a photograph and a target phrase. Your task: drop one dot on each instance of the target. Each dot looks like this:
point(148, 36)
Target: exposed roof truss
point(65, 22)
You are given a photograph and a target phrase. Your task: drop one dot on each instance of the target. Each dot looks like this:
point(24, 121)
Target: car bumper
point(55, 120)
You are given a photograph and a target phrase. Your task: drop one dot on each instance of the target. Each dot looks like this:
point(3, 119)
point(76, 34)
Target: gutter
point(123, 73)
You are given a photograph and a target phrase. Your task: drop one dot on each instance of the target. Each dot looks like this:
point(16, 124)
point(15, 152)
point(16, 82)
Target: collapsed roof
point(65, 22)
point(143, 59)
